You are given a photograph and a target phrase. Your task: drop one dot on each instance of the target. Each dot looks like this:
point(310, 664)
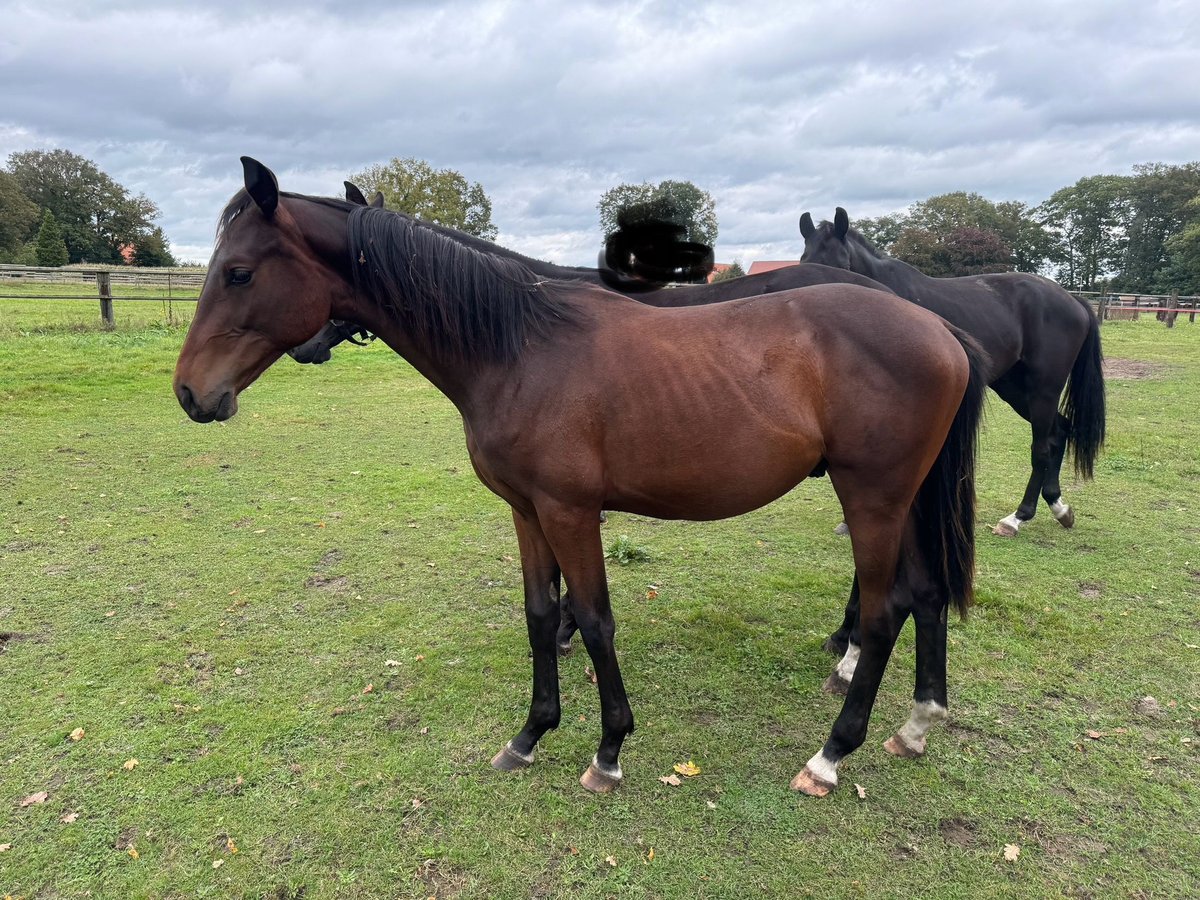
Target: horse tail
point(1083, 401)
point(944, 510)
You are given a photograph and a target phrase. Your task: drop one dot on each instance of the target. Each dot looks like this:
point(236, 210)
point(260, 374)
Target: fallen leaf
point(650, 855)
point(132, 851)
point(239, 671)
point(217, 863)
point(230, 845)
point(651, 594)
point(1120, 731)
point(611, 860)
point(710, 804)
point(574, 851)
point(391, 663)
point(35, 799)
point(689, 769)
point(673, 780)
point(4, 848)
point(417, 803)
point(1011, 852)
point(862, 791)
point(591, 676)
point(110, 614)
point(420, 656)
point(68, 818)
point(77, 734)
point(368, 689)
point(425, 730)
point(1095, 735)
point(130, 765)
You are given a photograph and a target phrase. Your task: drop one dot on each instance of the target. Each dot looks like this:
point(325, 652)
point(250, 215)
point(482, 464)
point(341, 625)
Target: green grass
point(213, 602)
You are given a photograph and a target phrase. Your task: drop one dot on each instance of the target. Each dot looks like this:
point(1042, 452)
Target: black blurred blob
point(651, 249)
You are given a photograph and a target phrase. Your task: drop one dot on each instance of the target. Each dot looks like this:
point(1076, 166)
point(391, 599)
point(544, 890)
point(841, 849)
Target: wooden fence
point(104, 285)
point(172, 284)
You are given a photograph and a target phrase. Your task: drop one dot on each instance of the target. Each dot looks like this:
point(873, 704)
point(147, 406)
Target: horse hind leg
point(929, 693)
point(876, 536)
point(1051, 489)
point(1041, 411)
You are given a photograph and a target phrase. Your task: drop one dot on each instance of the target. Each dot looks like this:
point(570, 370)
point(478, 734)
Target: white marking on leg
point(925, 715)
point(614, 772)
point(823, 768)
point(848, 663)
point(1012, 522)
point(1059, 510)
point(521, 756)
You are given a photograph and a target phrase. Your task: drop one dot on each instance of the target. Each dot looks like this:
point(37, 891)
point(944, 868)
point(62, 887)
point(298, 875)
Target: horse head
point(828, 243)
point(279, 270)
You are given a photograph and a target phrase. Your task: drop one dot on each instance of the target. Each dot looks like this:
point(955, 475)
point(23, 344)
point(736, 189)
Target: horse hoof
point(1067, 519)
point(835, 684)
point(565, 649)
point(808, 783)
point(835, 645)
point(508, 760)
point(895, 745)
point(1003, 529)
point(598, 781)
point(842, 529)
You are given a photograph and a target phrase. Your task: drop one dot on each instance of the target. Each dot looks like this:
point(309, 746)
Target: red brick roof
point(770, 265)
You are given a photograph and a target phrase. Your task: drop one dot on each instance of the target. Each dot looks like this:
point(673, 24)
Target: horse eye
point(239, 276)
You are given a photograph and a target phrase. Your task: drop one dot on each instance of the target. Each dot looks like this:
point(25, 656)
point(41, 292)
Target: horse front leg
point(575, 538)
point(542, 578)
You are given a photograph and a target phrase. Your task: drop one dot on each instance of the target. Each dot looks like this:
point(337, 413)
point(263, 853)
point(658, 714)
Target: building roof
point(770, 265)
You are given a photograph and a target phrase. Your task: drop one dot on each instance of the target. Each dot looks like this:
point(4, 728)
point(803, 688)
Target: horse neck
point(885, 270)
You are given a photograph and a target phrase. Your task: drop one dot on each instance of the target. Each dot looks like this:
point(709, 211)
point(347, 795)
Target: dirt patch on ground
point(1090, 590)
point(959, 832)
point(440, 880)
point(336, 584)
point(1132, 369)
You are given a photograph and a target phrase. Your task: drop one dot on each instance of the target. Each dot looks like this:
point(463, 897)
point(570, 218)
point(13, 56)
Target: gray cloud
point(773, 108)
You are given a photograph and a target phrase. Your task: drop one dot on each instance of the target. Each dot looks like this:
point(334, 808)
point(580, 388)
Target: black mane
point(454, 296)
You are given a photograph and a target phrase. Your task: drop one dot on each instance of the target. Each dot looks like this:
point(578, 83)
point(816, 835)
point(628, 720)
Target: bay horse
point(699, 413)
point(1043, 344)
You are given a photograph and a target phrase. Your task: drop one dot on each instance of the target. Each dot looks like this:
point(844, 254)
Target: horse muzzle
point(207, 410)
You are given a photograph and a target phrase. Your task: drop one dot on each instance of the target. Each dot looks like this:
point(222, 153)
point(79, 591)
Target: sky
point(773, 108)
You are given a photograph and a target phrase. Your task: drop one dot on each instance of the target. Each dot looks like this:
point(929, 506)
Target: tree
point(963, 250)
point(1086, 223)
point(678, 202)
point(18, 216)
point(442, 196)
point(1182, 272)
point(733, 270)
point(97, 216)
point(881, 231)
point(1157, 198)
point(150, 249)
point(51, 249)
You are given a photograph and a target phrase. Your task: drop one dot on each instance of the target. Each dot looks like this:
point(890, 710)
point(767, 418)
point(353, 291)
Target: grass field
point(305, 626)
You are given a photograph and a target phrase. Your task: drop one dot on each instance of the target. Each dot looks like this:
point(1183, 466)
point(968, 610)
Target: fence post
point(1102, 308)
point(104, 286)
point(1172, 308)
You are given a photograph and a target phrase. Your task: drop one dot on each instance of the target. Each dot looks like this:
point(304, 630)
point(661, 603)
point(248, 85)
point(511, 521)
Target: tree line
point(1136, 233)
point(1133, 233)
point(56, 207)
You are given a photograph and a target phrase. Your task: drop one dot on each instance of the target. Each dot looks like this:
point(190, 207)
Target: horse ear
point(354, 195)
point(261, 185)
point(807, 229)
point(841, 223)
point(377, 200)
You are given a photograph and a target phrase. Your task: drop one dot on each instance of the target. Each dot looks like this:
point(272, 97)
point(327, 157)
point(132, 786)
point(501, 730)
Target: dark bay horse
point(319, 348)
point(1043, 343)
point(698, 413)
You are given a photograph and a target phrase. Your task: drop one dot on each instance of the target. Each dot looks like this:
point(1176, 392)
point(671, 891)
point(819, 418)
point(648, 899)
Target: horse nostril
point(186, 400)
